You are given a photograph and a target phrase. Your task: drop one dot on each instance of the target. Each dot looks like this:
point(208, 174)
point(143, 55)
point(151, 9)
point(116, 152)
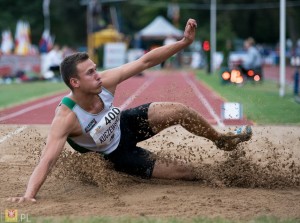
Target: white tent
point(160, 28)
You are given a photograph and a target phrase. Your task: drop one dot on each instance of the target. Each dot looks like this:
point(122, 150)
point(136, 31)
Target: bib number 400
point(111, 115)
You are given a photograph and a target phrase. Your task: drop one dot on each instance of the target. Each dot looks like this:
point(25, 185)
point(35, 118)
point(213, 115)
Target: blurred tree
point(12, 11)
point(67, 19)
point(260, 23)
point(239, 18)
point(68, 22)
point(293, 22)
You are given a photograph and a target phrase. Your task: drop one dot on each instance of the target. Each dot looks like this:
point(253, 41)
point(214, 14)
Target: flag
point(46, 42)
point(7, 42)
point(22, 38)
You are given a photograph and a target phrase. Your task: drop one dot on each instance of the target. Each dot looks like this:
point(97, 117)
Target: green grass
point(261, 101)
point(156, 220)
point(12, 94)
point(261, 104)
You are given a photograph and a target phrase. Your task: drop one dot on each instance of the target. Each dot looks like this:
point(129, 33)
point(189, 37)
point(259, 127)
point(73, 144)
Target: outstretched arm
point(54, 145)
point(111, 78)
point(160, 54)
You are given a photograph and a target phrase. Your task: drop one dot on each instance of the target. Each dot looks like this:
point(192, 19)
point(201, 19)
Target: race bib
point(104, 131)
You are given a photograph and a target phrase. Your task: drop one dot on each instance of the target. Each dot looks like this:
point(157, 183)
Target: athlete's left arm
point(111, 78)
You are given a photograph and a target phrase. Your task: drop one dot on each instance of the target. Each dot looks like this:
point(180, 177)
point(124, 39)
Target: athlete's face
point(88, 78)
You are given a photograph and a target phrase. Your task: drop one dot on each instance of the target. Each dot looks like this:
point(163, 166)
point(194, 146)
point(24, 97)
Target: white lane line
point(18, 130)
point(203, 100)
point(137, 92)
point(124, 105)
point(56, 99)
point(30, 108)
point(23, 111)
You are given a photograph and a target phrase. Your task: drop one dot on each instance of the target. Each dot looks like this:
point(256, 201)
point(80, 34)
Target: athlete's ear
point(74, 82)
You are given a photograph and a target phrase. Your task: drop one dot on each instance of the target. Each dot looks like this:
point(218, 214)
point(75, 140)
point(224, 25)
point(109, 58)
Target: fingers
point(190, 31)
point(192, 23)
point(33, 200)
point(21, 199)
point(14, 199)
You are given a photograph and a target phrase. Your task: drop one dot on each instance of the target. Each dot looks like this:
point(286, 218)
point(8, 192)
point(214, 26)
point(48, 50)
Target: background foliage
point(236, 18)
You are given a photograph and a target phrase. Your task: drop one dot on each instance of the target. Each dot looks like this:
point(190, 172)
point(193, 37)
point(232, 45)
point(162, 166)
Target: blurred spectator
point(66, 51)
point(53, 60)
point(253, 60)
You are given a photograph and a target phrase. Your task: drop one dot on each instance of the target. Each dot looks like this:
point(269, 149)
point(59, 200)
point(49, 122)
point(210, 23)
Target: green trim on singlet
point(68, 102)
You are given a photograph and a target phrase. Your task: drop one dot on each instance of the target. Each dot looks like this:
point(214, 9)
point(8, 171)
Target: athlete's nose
point(97, 76)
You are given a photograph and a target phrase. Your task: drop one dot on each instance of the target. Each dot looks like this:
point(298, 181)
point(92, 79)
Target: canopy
point(101, 37)
point(106, 36)
point(160, 28)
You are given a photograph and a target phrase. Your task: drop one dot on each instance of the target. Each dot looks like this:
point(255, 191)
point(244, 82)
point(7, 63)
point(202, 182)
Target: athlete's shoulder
point(65, 120)
point(64, 112)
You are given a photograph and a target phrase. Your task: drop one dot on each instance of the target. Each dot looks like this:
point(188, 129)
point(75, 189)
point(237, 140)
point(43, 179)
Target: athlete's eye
point(90, 72)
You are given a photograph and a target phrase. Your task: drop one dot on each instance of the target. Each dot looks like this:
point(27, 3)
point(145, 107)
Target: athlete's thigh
point(162, 115)
point(135, 125)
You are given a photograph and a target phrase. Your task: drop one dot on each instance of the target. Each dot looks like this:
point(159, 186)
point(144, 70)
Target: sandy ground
point(261, 178)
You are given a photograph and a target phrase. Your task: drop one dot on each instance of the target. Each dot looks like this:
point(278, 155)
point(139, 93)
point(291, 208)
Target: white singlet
point(100, 132)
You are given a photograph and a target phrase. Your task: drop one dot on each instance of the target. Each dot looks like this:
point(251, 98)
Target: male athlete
point(87, 119)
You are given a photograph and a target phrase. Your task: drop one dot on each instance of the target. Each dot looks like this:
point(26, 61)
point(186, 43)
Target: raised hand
point(190, 31)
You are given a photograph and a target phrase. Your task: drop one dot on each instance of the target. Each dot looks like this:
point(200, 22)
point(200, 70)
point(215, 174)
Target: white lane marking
point(137, 92)
point(56, 99)
point(203, 100)
point(23, 111)
point(41, 104)
point(18, 130)
point(30, 108)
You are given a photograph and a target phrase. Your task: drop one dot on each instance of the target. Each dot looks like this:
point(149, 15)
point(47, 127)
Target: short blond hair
point(250, 41)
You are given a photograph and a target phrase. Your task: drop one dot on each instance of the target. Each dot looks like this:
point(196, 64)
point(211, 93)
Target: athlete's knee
point(178, 110)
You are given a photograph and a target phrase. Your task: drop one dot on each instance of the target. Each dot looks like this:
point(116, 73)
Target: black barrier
point(296, 82)
point(295, 62)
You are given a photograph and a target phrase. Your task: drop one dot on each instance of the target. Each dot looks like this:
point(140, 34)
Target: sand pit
point(261, 178)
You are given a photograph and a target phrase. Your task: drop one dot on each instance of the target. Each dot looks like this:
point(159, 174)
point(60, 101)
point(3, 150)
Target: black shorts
point(128, 157)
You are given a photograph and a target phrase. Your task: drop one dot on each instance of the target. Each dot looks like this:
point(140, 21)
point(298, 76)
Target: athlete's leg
point(129, 158)
point(162, 115)
point(173, 170)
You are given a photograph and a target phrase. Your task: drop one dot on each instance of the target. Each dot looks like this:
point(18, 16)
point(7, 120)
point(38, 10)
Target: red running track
point(273, 73)
point(173, 86)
